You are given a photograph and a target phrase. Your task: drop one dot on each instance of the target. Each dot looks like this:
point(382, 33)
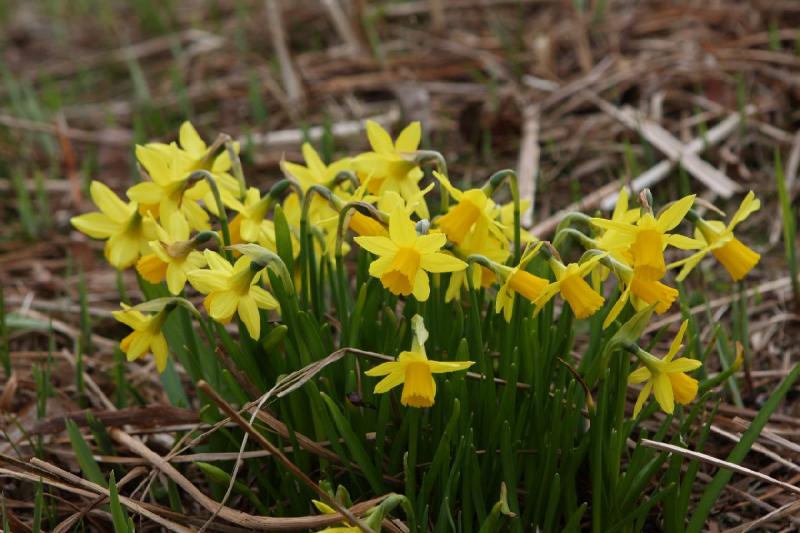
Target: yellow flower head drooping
point(580, 296)
point(231, 289)
point(644, 241)
point(414, 371)
point(388, 165)
point(519, 281)
point(473, 206)
point(718, 239)
point(126, 230)
point(641, 293)
point(666, 377)
point(173, 255)
point(248, 224)
point(477, 242)
point(405, 258)
point(146, 335)
point(169, 167)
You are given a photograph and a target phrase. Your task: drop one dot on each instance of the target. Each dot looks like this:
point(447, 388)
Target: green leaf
point(119, 517)
point(83, 454)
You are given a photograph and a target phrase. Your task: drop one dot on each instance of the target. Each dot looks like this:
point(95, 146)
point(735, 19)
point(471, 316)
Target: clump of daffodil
point(718, 239)
point(641, 293)
point(517, 280)
point(581, 297)
point(477, 242)
point(146, 335)
point(666, 377)
point(173, 254)
point(414, 371)
point(473, 206)
point(642, 242)
point(232, 289)
point(126, 231)
point(389, 165)
point(405, 258)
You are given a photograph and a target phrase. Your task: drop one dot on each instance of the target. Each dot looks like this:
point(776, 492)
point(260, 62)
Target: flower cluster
point(465, 241)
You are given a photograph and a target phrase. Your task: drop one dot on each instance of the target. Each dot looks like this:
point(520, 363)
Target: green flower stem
point(571, 218)
point(222, 214)
point(494, 182)
point(432, 156)
point(563, 234)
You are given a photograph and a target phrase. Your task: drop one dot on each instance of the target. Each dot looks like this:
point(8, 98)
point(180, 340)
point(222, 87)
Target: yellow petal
point(439, 367)
point(430, 243)
point(314, 162)
point(643, 395)
point(384, 368)
point(402, 229)
point(109, 203)
point(223, 305)
point(377, 245)
point(176, 278)
point(391, 381)
point(422, 288)
point(662, 389)
point(96, 225)
point(379, 139)
point(441, 262)
point(673, 215)
point(146, 192)
point(263, 298)
point(191, 140)
point(683, 364)
point(160, 351)
point(640, 375)
point(206, 281)
point(750, 204)
point(409, 138)
point(248, 312)
point(675, 346)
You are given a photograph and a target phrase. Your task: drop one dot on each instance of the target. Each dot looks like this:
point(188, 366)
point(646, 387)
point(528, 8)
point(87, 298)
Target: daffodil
point(477, 242)
point(169, 167)
point(580, 296)
point(666, 377)
point(405, 258)
point(232, 289)
point(641, 293)
point(414, 371)
point(519, 281)
point(246, 226)
point(127, 231)
point(146, 335)
point(644, 241)
point(316, 172)
point(718, 239)
point(389, 164)
point(173, 255)
point(473, 206)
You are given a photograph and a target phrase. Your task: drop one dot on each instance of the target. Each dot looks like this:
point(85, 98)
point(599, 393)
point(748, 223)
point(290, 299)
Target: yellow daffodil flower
point(645, 240)
point(477, 242)
point(718, 239)
point(146, 335)
point(388, 163)
point(246, 226)
point(316, 172)
point(405, 258)
point(666, 378)
point(580, 296)
point(231, 289)
point(414, 371)
point(173, 255)
point(641, 293)
point(519, 281)
point(169, 167)
point(126, 230)
point(473, 206)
